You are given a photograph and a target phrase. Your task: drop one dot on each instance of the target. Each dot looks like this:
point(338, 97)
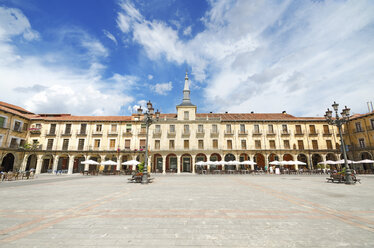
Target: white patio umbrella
point(341, 161)
point(298, 162)
point(200, 163)
point(131, 162)
point(275, 162)
point(247, 162)
point(90, 162)
point(365, 161)
point(290, 162)
point(328, 162)
point(109, 162)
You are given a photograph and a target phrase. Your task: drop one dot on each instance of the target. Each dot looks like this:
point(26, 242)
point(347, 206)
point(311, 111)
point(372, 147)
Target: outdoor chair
point(3, 176)
point(10, 176)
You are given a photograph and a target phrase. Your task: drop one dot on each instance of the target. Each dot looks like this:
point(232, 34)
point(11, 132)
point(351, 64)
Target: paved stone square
point(186, 210)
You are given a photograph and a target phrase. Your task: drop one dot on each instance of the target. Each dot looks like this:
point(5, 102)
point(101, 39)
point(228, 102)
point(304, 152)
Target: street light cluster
point(339, 121)
point(149, 117)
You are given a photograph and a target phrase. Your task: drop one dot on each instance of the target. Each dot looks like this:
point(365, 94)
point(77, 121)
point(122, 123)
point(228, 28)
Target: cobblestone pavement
point(186, 210)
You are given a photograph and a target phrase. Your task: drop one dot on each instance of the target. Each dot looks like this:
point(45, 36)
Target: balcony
point(142, 132)
point(299, 133)
point(270, 133)
point(18, 130)
point(157, 133)
point(186, 133)
point(256, 132)
point(200, 134)
point(35, 130)
point(127, 133)
point(327, 133)
point(214, 133)
point(97, 133)
point(285, 132)
point(243, 132)
point(82, 133)
point(50, 133)
point(315, 133)
point(66, 133)
point(112, 133)
point(358, 130)
point(171, 134)
point(229, 133)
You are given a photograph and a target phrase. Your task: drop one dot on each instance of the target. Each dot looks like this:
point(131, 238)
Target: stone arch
point(260, 160)
point(200, 157)
point(273, 157)
point(47, 163)
point(186, 163)
point(316, 158)
point(229, 157)
point(302, 158)
point(331, 156)
point(157, 163)
point(287, 157)
point(366, 166)
point(8, 162)
point(243, 157)
point(63, 162)
point(171, 162)
point(78, 167)
point(31, 162)
point(215, 157)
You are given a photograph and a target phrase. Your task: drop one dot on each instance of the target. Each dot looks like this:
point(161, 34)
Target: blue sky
point(108, 57)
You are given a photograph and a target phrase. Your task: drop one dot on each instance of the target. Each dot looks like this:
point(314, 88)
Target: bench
point(340, 178)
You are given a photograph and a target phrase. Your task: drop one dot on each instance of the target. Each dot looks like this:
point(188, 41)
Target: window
point(17, 126)
point(272, 144)
point(315, 144)
point(215, 144)
point(1, 140)
point(229, 144)
point(25, 126)
point(358, 127)
point(99, 128)
point(300, 144)
point(83, 128)
point(298, 129)
point(172, 128)
point(68, 128)
point(286, 144)
point(127, 143)
point(97, 143)
point(244, 144)
point(158, 129)
point(284, 128)
point(171, 144)
point(258, 144)
point(312, 129)
point(128, 128)
point(142, 144)
point(371, 123)
point(326, 129)
point(113, 128)
point(362, 143)
point(186, 115)
point(65, 144)
point(270, 128)
point(2, 121)
point(214, 128)
point(186, 129)
point(112, 143)
point(242, 128)
point(157, 144)
point(329, 144)
point(201, 144)
point(52, 129)
point(142, 128)
point(186, 144)
point(228, 128)
point(49, 144)
point(200, 128)
point(256, 128)
point(80, 144)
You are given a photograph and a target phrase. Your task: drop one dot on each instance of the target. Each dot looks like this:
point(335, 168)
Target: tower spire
point(186, 92)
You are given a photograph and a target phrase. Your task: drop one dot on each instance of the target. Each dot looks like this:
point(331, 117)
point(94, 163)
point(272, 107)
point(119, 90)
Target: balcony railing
point(285, 132)
point(358, 130)
point(270, 133)
point(157, 133)
point(229, 132)
point(243, 132)
point(112, 133)
point(142, 132)
point(200, 134)
point(315, 133)
point(50, 133)
point(171, 134)
point(186, 133)
point(214, 133)
point(66, 133)
point(19, 130)
point(82, 133)
point(35, 130)
point(327, 133)
point(299, 133)
point(127, 133)
point(97, 133)
point(256, 132)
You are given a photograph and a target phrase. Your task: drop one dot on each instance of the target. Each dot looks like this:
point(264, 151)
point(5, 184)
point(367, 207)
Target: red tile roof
point(14, 107)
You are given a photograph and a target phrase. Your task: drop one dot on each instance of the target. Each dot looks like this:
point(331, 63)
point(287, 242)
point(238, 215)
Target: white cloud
point(110, 36)
point(150, 77)
point(39, 84)
point(163, 88)
point(187, 31)
point(272, 56)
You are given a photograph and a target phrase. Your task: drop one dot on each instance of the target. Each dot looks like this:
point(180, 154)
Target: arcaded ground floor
point(186, 210)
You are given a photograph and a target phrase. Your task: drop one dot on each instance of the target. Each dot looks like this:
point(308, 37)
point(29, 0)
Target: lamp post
point(149, 118)
point(339, 121)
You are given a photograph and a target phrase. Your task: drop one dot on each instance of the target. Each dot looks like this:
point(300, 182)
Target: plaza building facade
point(50, 142)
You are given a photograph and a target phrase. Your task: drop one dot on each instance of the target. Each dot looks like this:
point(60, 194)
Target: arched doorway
point(215, 157)
point(243, 157)
point(273, 157)
point(368, 167)
point(288, 157)
point(200, 157)
point(171, 163)
point(157, 164)
point(125, 158)
point(63, 163)
point(302, 158)
point(31, 162)
point(229, 157)
point(47, 164)
point(8, 162)
point(78, 167)
point(260, 160)
point(316, 158)
point(186, 163)
point(94, 167)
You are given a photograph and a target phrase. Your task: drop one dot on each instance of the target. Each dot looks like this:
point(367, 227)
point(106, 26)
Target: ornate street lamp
point(149, 118)
point(339, 121)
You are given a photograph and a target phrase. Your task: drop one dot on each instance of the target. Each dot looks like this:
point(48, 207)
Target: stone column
point(119, 157)
point(87, 166)
point(149, 165)
point(178, 164)
point(39, 162)
point(71, 164)
point(252, 159)
point(55, 163)
point(193, 163)
point(134, 166)
point(24, 163)
point(296, 165)
point(102, 159)
point(164, 164)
